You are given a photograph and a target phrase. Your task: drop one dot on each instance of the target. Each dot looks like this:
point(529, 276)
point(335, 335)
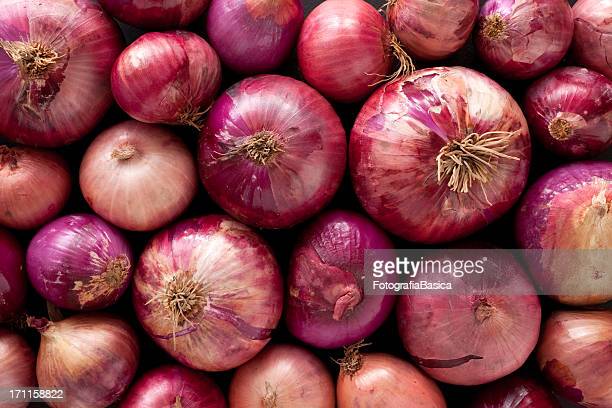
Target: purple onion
point(155, 14)
point(12, 279)
point(515, 392)
point(593, 35)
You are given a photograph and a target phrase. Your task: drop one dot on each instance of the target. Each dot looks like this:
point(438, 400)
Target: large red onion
point(592, 45)
point(209, 292)
point(515, 392)
point(17, 365)
point(138, 176)
point(575, 354)
point(156, 14)
point(273, 151)
point(254, 36)
point(13, 288)
point(570, 111)
point(55, 62)
point(282, 376)
point(34, 186)
point(169, 77)
point(440, 154)
point(521, 39)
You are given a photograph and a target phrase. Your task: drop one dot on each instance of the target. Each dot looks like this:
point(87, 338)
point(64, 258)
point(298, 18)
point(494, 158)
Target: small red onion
point(34, 186)
point(254, 36)
point(282, 376)
point(407, 163)
point(209, 292)
point(137, 176)
point(521, 39)
point(156, 14)
point(515, 392)
point(167, 78)
point(592, 45)
point(570, 111)
point(17, 365)
point(13, 287)
point(273, 151)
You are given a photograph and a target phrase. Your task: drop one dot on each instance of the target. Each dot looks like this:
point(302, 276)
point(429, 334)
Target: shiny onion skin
point(282, 375)
point(62, 89)
point(34, 186)
point(209, 292)
point(79, 262)
point(570, 112)
point(521, 39)
point(13, 287)
point(156, 14)
point(254, 36)
point(169, 77)
point(403, 143)
point(273, 151)
point(515, 392)
point(575, 355)
point(174, 386)
point(592, 45)
point(17, 365)
point(138, 176)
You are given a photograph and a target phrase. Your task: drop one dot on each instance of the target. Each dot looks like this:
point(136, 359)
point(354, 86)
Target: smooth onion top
point(593, 35)
point(156, 14)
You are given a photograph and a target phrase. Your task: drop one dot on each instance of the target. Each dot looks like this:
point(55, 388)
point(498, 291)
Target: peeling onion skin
point(592, 45)
point(13, 286)
point(282, 376)
point(238, 286)
point(17, 365)
point(515, 392)
point(576, 99)
point(529, 37)
point(575, 355)
point(398, 134)
point(169, 78)
point(254, 36)
point(299, 127)
point(156, 14)
point(70, 96)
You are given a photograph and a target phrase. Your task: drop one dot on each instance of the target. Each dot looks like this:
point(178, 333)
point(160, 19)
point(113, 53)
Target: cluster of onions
point(515, 392)
point(169, 77)
point(282, 376)
point(273, 151)
point(254, 36)
point(155, 14)
point(593, 35)
point(55, 62)
point(565, 213)
point(138, 176)
point(34, 186)
point(209, 292)
point(570, 111)
point(439, 154)
point(521, 39)
point(13, 287)
point(17, 365)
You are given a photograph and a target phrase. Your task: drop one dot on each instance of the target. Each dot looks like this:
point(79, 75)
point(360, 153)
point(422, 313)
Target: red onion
point(521, 39)
point(92, 356)
point(575, 354)
point(156, 14)
point(570, 111)
point(174, 386)
point(273, 151)
point(13, 287)
point(593, 35)
point(34, 186)
point(167, 77)
point(570, 208)
point(432, 30)
point(138, 176)
point(254, 36)
point(54, 69)
point(413, 147)
point(282, 376)
point(209, 292)
point(515, 392)
point(17, 365)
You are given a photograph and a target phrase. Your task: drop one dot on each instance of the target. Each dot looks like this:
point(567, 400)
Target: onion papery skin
point(17, 365)
point(79, 262)
point(34, 186)
point(282, 376)
point(521, 39)
point(400, 132)
point(432, 30)
point(169, 77)
point(575, 355)
point(570, 112)
point(138, 176)
point(569, 208)
point(13, 287)
point(234, 292)
point(156, 14)
point(327, 307)
point(56, 103)
point(92, 356)
point(273, 151)
point(515, 392)
point(592, 46)
point(174, 386)
point(254, 36)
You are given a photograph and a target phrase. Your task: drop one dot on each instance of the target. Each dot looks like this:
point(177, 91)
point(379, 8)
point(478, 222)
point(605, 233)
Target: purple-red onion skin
point(254, 36)
point(17, 365)
point(293, 183)
point(592, 46)
point(156, 14)
point(169, 77)
point(575, 355)
point(66, 100)
point(574, 97)
point(527, 38)
point(515, 392)
point(13, 287)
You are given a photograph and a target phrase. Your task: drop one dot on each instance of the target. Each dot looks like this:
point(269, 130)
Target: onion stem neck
point(177, 402)
point(124, 152)
point(39, 323)
point(600, 204)
point(270, 398)
point(494, 27)
point(193, 117)
point(33, 58)
point(352, 361)
point(346, 302)
point(405, 64)
point(483, 311)
point(9, 157)
point(260, 148)
point(560, 129)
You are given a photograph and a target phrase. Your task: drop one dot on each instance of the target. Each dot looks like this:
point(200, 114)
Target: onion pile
point(17, 365)
point(515, 392)
point(13, 287)
point(156, 14)
point(592, 45)
point(440, 154)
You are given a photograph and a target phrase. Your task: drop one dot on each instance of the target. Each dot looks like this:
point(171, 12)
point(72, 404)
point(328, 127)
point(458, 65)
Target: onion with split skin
point(13, 286)
point(156, 14)
point(17, 365)
point(592, 45)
